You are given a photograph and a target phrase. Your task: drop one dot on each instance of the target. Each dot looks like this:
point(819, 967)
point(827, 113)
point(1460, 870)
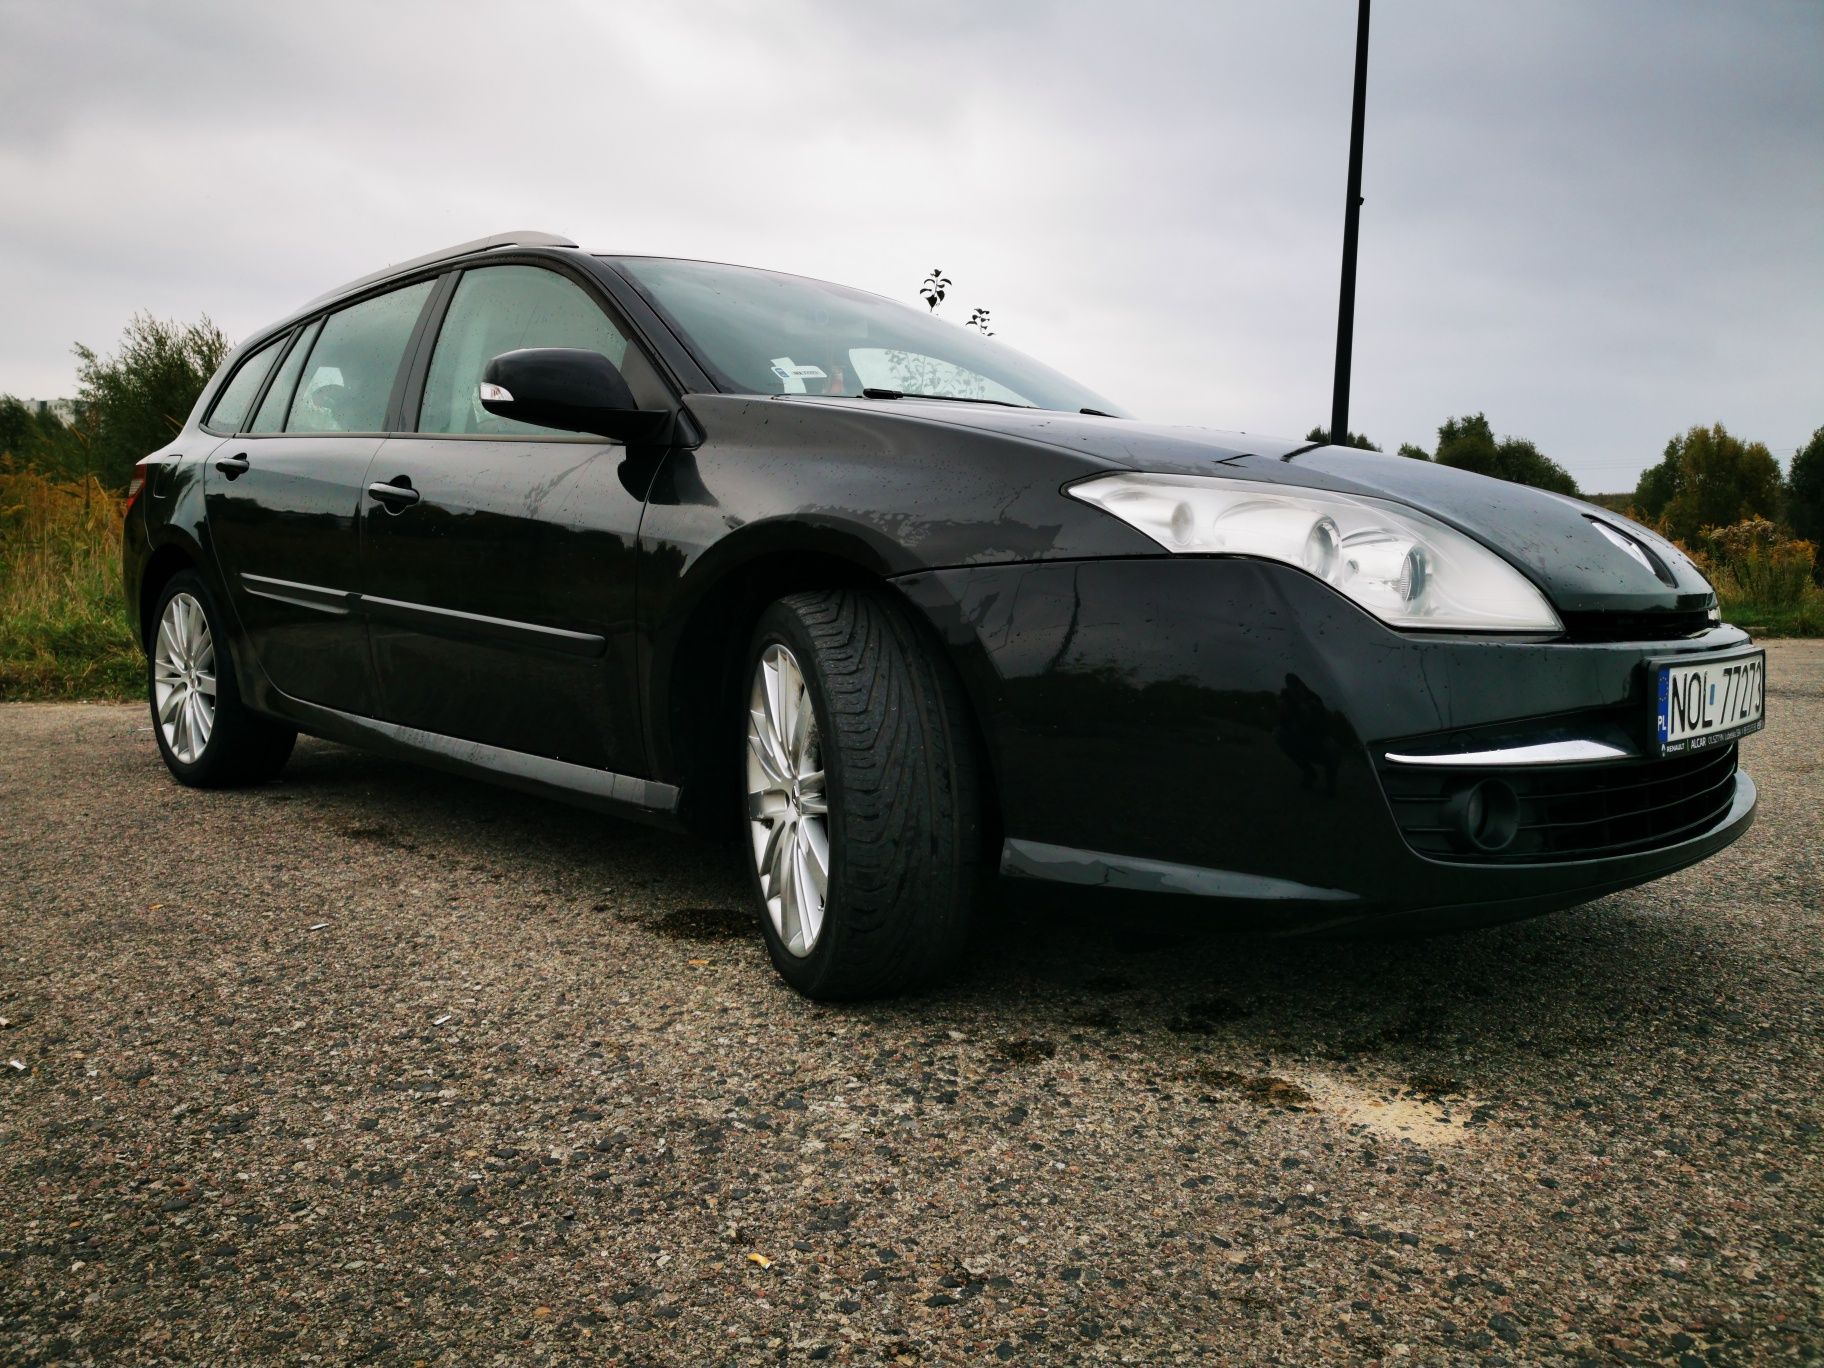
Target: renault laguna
point(915, 619)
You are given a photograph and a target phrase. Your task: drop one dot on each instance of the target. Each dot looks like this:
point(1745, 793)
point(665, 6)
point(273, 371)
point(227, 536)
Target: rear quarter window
point(271, 417)
point(229, 410)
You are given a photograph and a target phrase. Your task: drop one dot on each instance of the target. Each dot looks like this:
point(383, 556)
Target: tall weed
point(64, 628)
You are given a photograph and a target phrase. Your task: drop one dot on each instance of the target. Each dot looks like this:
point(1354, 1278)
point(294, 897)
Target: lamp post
point(1352, 221)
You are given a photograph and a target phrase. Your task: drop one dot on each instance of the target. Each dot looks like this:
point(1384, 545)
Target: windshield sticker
point(785, 370)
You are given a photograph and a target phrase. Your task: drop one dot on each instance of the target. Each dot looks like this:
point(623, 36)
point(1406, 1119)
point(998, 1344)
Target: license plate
point(1710, 702)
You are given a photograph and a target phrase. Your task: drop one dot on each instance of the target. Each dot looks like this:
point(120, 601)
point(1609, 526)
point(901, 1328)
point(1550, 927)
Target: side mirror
point(568, 388)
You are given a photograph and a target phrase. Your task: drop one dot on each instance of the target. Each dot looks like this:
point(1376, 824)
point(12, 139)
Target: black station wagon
point(914, 617)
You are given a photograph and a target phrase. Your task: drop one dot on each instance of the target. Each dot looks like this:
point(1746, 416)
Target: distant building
point(63, 410)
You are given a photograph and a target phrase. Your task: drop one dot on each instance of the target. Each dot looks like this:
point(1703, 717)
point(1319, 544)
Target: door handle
point(233, 466)
point(395, 494)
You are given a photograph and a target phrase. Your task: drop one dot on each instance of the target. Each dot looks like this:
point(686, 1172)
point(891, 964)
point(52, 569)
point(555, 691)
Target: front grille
point(1669, 625)
point(1576, 812)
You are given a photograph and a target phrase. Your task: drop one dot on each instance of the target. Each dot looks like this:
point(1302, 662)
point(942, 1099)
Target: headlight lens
point(1405, 568)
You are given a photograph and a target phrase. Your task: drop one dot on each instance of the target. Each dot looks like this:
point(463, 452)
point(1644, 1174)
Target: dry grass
point(64, 629)
point(1763, 578)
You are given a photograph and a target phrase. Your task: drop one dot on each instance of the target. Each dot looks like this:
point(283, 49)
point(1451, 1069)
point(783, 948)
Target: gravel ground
point(370, 1064)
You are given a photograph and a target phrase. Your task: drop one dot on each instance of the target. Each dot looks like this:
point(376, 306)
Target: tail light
point(136, 483)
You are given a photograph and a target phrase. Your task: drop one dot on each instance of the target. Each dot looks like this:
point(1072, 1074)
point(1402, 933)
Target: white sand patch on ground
point(1393, 1112)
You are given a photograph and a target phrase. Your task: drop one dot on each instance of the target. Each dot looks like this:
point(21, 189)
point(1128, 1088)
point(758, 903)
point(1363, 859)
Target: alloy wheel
point(787, 810)
point(183, 678)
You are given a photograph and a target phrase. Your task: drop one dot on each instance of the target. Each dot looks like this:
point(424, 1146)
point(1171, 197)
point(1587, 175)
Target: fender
point(734, 522)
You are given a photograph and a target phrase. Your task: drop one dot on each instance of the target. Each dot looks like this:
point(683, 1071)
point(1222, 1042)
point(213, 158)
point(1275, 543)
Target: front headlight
point(1405, 568)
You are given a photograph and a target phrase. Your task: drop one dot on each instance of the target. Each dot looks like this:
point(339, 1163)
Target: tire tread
point(898, 742)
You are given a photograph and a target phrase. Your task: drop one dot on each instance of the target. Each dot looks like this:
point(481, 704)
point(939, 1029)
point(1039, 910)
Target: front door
point(498, 557)
point(283, 496)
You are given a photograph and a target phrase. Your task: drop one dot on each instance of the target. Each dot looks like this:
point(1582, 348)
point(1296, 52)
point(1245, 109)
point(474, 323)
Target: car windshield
point(761, 332)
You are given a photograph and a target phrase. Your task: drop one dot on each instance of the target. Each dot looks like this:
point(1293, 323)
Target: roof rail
point(522, 237)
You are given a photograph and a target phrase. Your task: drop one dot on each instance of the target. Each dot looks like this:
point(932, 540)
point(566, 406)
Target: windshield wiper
point(873, 393)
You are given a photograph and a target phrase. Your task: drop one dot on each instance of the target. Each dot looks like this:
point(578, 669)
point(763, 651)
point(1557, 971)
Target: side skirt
point(621, 795)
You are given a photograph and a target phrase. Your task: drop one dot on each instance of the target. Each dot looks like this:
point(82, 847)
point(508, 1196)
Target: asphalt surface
point(371, 1064)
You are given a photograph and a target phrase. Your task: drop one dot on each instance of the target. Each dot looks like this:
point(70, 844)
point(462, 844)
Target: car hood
point(1552, 538)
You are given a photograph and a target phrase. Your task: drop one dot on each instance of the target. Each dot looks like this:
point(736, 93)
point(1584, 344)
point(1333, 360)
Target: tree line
point(1706, 479)
point(134, 401)
point(127, 405)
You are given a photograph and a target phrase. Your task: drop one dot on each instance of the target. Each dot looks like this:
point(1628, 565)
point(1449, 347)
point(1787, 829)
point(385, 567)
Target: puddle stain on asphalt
point(705, 925)
point(1026, 1050)
point(1264, 1090)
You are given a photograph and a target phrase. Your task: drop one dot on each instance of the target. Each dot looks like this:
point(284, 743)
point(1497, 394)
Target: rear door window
point(231, 405)
point(346, 383)
point(499, 309)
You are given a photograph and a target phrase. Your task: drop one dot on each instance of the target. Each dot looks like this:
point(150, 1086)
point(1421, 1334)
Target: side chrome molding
point(445, 622)
point(334, 601)
point(1575, 752)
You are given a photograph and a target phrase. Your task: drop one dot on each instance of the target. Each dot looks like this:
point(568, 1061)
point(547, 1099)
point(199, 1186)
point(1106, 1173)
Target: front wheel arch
point(700, 678)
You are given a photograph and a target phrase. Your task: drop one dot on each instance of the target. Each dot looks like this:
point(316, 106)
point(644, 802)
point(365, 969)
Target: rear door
point(284, 493)
point(499, 581)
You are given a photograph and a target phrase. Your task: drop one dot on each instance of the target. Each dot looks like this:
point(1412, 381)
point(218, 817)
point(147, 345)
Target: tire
point(891, 735)
point(236, 746)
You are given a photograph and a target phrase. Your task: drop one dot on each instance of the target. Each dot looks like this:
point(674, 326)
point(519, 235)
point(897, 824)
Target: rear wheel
point(862, 801)
point(206, 734)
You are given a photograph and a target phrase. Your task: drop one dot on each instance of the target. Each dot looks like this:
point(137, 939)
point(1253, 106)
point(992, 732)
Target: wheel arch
point(697, 671)
point(166, 561)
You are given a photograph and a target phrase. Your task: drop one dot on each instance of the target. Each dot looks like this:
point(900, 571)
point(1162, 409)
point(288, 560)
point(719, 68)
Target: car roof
point(519, 237)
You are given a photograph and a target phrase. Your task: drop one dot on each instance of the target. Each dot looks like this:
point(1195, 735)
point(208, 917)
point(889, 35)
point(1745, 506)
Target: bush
point(137, 399)
point(1762, 576)
point(64, 628)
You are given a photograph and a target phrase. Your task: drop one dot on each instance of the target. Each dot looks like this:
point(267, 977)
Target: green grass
point(64, 629)
point(83, 652)
point(1803, 619)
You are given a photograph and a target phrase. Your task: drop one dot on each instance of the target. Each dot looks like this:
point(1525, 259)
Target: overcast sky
point(1599, 221)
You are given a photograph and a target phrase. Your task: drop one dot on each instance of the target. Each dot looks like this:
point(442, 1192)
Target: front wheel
point(862, 801)
point(206, 734)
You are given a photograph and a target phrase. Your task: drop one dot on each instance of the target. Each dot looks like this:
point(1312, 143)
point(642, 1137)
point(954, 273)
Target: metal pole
point(1352, 220)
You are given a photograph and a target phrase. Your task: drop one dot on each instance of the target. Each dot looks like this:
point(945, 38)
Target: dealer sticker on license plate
point(1711, 702)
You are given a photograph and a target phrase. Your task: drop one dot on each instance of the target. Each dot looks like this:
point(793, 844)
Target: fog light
point(1485, 816)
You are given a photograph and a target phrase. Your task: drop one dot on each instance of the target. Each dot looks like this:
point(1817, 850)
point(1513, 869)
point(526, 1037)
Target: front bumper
point(1209, 729)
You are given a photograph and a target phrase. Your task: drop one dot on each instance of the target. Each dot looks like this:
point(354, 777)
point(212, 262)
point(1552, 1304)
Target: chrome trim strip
point(336, 601)
point(444, 621)
point(451, 622)
point(1581, 752)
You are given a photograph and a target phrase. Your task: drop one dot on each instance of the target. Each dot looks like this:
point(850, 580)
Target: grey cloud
point(1598, 223)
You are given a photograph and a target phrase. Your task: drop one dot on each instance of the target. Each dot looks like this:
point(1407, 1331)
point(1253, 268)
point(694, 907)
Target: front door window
point(500, 309)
